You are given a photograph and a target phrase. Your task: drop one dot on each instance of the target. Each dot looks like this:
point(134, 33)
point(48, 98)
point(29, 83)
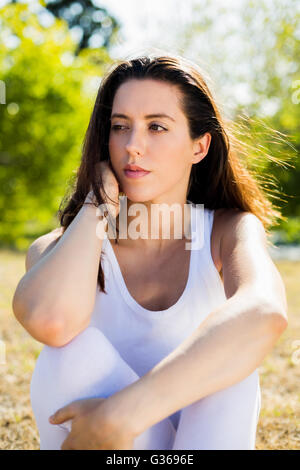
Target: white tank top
point(144, 337)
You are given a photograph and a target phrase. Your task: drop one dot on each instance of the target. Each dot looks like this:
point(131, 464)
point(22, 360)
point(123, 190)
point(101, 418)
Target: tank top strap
point(202, 228)
point(205, 254)
point(208, 219)
point(105, 261)
point(209, 225)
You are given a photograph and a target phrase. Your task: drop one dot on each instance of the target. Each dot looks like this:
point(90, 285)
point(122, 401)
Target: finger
point(63, 414)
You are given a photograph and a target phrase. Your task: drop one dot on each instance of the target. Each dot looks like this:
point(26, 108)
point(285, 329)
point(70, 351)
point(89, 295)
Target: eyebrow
point(148, 116)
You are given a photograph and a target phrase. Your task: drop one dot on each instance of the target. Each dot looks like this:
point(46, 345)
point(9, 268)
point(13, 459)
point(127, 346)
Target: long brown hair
point(220, 180)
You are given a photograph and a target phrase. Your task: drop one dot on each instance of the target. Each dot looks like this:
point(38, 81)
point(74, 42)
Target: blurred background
point(53, 55)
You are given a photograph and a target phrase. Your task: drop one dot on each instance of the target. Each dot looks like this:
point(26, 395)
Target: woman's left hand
point(94, 427)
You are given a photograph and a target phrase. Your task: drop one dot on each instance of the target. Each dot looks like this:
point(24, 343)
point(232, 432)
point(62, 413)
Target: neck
point(153, 226)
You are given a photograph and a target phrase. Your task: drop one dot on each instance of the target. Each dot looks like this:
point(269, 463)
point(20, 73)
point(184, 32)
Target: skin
point(247, 325)
point(143, 142)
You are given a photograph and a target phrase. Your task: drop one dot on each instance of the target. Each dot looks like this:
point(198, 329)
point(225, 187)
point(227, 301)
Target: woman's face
point(161, 145)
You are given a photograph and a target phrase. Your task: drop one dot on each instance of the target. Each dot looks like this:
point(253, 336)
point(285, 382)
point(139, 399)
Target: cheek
point(114, 153)
point(111, 147)
point(172, 162)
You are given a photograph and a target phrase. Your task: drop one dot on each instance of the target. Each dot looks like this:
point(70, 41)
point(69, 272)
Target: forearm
point(229, 345)
point(61, 286)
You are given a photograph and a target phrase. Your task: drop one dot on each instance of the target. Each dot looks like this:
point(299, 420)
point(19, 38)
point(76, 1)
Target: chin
point(138, 195)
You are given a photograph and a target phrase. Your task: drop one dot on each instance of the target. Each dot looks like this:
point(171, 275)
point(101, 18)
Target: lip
point(134, 167)
point(136, 173)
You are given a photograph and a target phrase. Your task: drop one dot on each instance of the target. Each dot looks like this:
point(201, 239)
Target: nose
point(134, 145)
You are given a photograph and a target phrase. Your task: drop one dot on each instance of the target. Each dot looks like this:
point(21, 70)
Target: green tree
point(274, 52)
point(94, 23)
point(251, 51)
point(49, 97)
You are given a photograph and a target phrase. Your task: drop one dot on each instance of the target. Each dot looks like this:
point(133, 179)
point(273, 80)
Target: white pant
point(89, 366)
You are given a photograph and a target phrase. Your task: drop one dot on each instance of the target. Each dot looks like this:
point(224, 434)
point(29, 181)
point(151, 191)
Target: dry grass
point(279, 375)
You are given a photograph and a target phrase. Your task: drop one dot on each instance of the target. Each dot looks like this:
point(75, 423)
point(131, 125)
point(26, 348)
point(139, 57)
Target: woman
point(150, 342)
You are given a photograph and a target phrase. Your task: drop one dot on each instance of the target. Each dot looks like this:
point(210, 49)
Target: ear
point(201, 147)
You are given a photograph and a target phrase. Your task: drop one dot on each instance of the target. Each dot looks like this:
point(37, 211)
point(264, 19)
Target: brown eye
point(158, 125)
point(116, 127)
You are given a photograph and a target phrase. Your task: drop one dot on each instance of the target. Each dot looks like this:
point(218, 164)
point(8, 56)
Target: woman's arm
point(229, 345)
point(54, 299)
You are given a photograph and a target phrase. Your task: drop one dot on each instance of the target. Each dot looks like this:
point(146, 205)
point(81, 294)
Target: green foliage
point(251, 53)
point(49, 98)
point(277, 85)
point(289, 231)
point(50, 92)
point(94, 21)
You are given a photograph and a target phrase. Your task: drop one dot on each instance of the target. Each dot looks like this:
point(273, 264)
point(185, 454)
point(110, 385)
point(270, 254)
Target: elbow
point(19, 307)
point(24, 303)
point(272, 313)
point(46, 333)
point(54, 325)
point(277, 320)
point(49, 331)
point(54, 335)
point(14, 304)
point(43, 328)
point(63, 326)
point(281, 322)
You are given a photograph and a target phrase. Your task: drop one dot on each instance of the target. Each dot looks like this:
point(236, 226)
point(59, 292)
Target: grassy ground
point(279, 424)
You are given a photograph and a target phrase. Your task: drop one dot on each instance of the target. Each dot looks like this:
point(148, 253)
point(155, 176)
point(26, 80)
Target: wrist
point(121, 409)
point(135, 406)
point(92, 215)
point(106, 208)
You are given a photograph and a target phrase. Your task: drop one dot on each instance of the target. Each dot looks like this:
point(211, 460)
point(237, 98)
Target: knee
point(80, 369)
point(89, 336)
point(84, 345)
point(61, 363)
point(90, 349)
point(67, 370)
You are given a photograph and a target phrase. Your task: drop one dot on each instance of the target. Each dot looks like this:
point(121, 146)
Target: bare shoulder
point(41, 246)
point(231, 225)
point(246, 263)
point(236, 224)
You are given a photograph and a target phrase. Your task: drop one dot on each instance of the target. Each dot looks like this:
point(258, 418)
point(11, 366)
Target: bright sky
point(141, 26)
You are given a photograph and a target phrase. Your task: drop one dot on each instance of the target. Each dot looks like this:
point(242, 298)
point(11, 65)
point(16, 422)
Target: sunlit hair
point(220, 180)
